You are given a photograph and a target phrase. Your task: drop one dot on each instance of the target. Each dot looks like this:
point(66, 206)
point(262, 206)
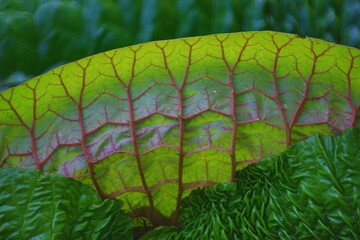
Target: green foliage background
point(38, 35)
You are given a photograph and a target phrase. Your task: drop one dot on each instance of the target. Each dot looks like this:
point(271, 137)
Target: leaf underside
point(148, 123)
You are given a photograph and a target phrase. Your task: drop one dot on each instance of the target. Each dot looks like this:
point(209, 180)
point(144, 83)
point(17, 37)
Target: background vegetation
point(39, 35)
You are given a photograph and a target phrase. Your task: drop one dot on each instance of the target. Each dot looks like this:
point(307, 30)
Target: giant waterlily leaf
point(147, 123)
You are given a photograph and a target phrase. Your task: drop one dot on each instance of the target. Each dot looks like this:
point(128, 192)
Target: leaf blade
point(178, 114)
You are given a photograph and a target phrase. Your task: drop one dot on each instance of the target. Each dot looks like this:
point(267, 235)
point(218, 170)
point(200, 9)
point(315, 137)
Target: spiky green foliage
point(311, 191)
point(36, 205)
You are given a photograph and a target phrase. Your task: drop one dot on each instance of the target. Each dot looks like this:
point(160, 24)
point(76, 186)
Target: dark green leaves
point(35, 205)
point(311, 191)
point(37, 35)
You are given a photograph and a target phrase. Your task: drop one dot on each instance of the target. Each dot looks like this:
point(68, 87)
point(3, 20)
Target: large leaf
point(311, 191)
point(36, 205)
point(148, 123)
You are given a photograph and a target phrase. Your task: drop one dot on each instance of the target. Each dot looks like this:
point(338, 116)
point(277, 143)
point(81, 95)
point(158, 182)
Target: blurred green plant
point(39, 35)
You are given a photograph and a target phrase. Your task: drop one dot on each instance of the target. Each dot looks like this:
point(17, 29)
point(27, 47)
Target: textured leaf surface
point(311, 191)
point(36, 205)
point(149, 122)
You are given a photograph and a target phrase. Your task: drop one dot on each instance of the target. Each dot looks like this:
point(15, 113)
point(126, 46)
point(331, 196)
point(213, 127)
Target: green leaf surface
point(148, 123)
point(43, 206)
point(311, 191)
